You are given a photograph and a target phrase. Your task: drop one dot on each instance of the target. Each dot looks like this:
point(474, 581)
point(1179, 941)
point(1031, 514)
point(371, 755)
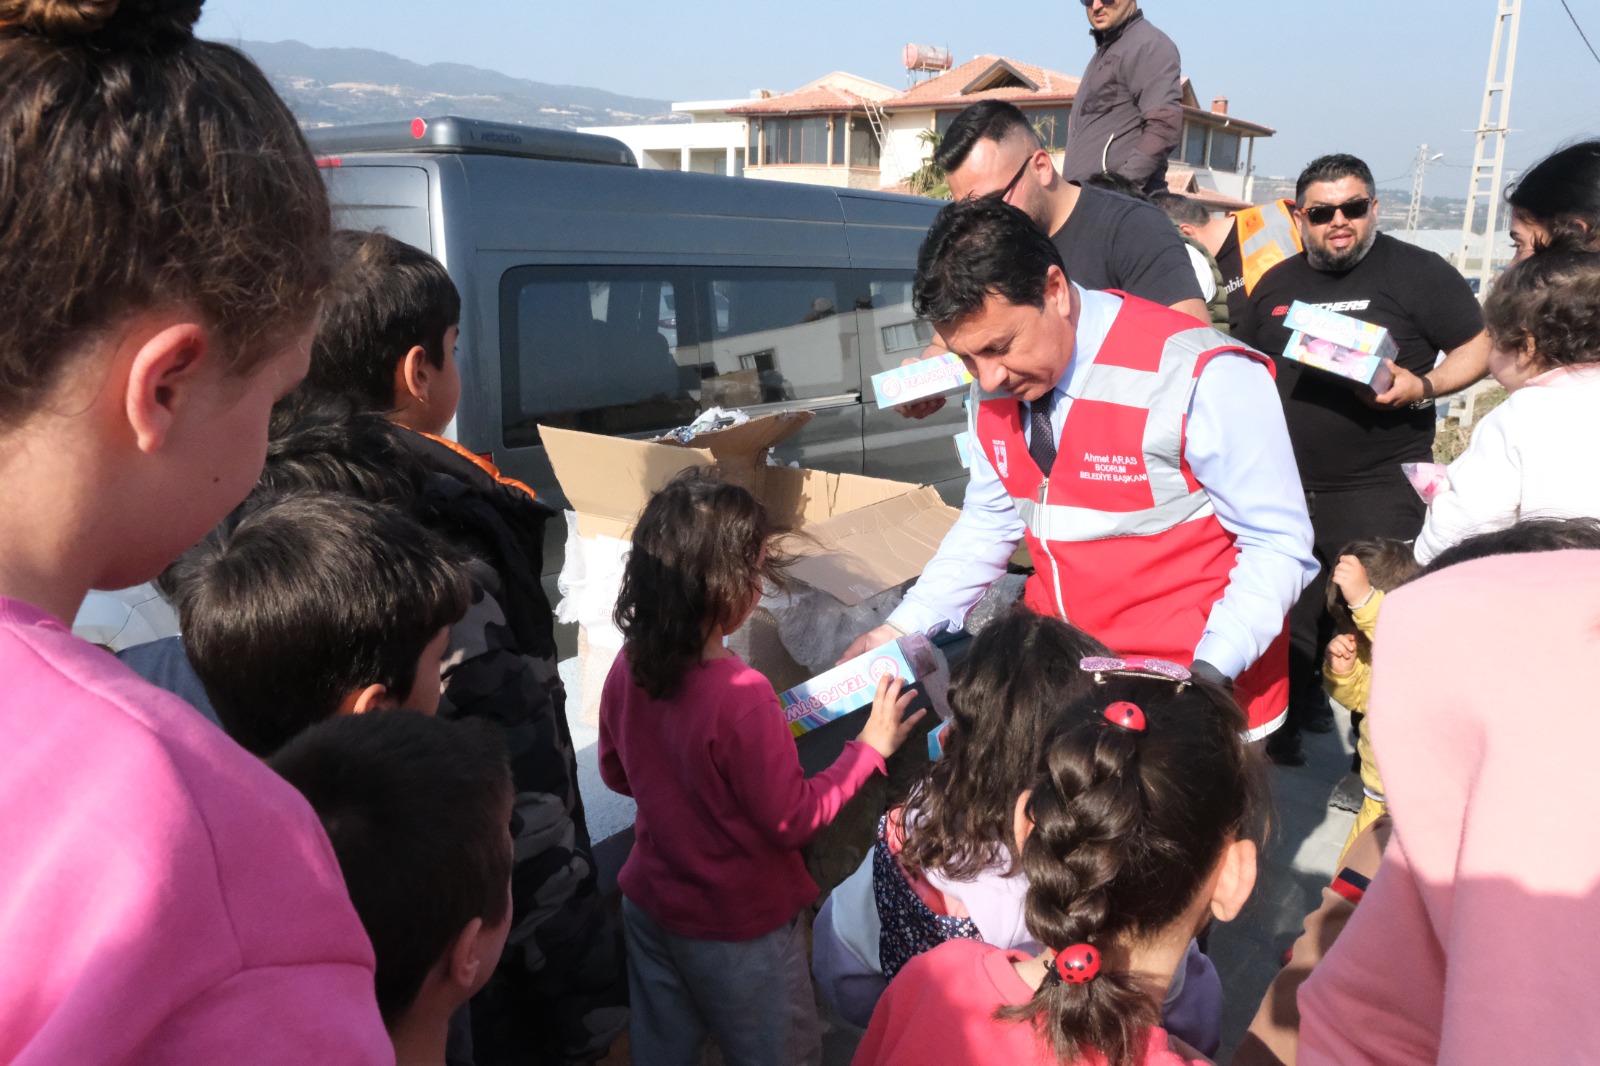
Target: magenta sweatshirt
point(164, 897)
point(1476, 942)
point(724, 807)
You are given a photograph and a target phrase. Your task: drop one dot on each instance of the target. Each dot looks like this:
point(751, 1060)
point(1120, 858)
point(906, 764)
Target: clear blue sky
point(1369, 77)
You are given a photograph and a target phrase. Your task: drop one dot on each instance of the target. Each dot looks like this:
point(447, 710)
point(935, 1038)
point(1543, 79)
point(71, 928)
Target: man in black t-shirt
point(1107, 241)
point(1348, 444)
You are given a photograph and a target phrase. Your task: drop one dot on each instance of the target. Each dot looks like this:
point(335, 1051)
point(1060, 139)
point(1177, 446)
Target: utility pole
point(1414, 213)
point(1494, 123)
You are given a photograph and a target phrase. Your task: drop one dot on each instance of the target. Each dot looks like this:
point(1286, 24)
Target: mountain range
point(337, 86)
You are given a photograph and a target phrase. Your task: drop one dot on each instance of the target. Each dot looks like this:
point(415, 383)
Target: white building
point(709, 143)
point(844, 130)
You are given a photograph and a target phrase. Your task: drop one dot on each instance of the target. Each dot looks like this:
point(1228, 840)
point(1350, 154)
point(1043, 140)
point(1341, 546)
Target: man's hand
point(1351, 577)
point(1406, 390)
point(1342, 655)
point(872, 638)
point(920, 409)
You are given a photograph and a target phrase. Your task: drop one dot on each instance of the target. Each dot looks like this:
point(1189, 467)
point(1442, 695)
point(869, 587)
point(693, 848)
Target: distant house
point(848, 131)
point(709, 143)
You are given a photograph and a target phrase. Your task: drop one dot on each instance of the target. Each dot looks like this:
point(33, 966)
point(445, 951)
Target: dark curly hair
point(1552, 299)
point(1127, 827)
point(696, 563)
point(1020, 675)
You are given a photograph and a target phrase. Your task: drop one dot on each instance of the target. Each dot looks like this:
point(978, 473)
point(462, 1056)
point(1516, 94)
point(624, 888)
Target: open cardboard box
point(863, 535)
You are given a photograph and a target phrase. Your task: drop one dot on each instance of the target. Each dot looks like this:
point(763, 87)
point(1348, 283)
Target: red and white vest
point(1125, 541)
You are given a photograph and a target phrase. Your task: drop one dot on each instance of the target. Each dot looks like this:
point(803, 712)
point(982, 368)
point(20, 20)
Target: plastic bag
point(1429, 479)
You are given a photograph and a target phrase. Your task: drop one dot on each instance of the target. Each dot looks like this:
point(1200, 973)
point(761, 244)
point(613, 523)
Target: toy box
point(852, 684)
point(940, 375)
point(964, 449)
point(1338, 344)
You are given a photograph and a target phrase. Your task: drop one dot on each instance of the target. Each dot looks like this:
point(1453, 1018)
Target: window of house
point(1194, 144)
point(796, 140)
point(1051, 125)
point(1224, 150)
point(864, 148)
point(838, 125)
point(753, 149)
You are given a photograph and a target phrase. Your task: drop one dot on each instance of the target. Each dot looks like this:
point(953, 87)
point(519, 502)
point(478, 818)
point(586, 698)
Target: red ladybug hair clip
point(1076, 965)
point(1127, 715)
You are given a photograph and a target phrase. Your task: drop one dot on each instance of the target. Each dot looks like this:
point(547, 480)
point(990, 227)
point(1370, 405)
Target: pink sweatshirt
point(724, 807)
point(164, 897)
point(1476, 941)
point(940, 1009)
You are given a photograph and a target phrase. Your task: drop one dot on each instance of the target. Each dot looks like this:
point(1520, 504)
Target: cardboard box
point(1338, 344)
point(862, 535)
point(941, 375)
point(851, 685)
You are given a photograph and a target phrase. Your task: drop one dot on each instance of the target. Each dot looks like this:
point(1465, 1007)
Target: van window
point(890, 331)
point(596, 349)
point(622, 350)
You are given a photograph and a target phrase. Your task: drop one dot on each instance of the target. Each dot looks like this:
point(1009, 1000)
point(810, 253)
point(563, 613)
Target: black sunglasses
point(1001, 194)
point(1323, 214)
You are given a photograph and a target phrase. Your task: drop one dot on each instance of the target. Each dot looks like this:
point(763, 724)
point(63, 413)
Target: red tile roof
point(820, 96)
point(829, 95)
point(947, 89)
point(1181, 179)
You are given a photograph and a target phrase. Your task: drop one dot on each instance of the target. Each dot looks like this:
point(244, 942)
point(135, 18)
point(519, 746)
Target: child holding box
point(713, 888)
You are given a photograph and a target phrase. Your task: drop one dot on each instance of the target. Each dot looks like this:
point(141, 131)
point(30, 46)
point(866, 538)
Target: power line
point(1581, 34)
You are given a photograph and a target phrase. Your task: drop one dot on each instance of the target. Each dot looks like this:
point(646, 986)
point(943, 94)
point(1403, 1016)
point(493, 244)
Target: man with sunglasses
point(1127, 115)
point(1349, 445)
point(1142, 456)
point(1106, 241)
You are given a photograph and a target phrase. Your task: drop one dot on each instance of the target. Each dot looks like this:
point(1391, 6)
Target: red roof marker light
point(418, 128)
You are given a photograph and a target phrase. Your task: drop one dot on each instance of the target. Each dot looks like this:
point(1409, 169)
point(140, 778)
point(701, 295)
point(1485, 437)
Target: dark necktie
point(1042, 439)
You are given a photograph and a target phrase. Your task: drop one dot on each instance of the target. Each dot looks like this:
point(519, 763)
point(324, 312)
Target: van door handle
point(821, 403)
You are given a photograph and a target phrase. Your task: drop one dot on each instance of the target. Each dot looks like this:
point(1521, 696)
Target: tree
point(929, 179)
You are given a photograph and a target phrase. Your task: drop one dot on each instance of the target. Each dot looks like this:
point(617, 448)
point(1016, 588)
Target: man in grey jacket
point(1128, 114)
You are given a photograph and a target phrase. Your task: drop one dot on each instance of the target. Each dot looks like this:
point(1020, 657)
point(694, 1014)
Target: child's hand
point(1351, 577)
point(887, 727)
point(1342, 653)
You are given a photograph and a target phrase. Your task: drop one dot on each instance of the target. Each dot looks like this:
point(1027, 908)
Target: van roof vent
point(451, 133)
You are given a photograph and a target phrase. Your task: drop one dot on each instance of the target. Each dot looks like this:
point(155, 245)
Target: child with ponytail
point(1134, 836)
point(163, 254)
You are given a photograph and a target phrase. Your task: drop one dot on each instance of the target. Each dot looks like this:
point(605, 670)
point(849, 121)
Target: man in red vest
point(1142, 456)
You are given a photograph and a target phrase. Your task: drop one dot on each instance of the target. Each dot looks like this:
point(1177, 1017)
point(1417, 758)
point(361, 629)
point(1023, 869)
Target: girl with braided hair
point(1133, 838)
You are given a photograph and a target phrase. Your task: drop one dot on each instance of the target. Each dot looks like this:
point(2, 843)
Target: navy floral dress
point(908, 925)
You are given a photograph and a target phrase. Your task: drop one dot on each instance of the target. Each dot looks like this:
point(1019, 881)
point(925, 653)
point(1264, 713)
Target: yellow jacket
point(1352, 690)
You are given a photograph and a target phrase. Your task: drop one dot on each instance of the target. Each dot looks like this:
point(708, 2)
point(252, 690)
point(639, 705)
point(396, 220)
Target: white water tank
point(925, 57)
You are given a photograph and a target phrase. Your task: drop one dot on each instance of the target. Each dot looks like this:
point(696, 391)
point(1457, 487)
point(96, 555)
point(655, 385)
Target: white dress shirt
point(1238, 448)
